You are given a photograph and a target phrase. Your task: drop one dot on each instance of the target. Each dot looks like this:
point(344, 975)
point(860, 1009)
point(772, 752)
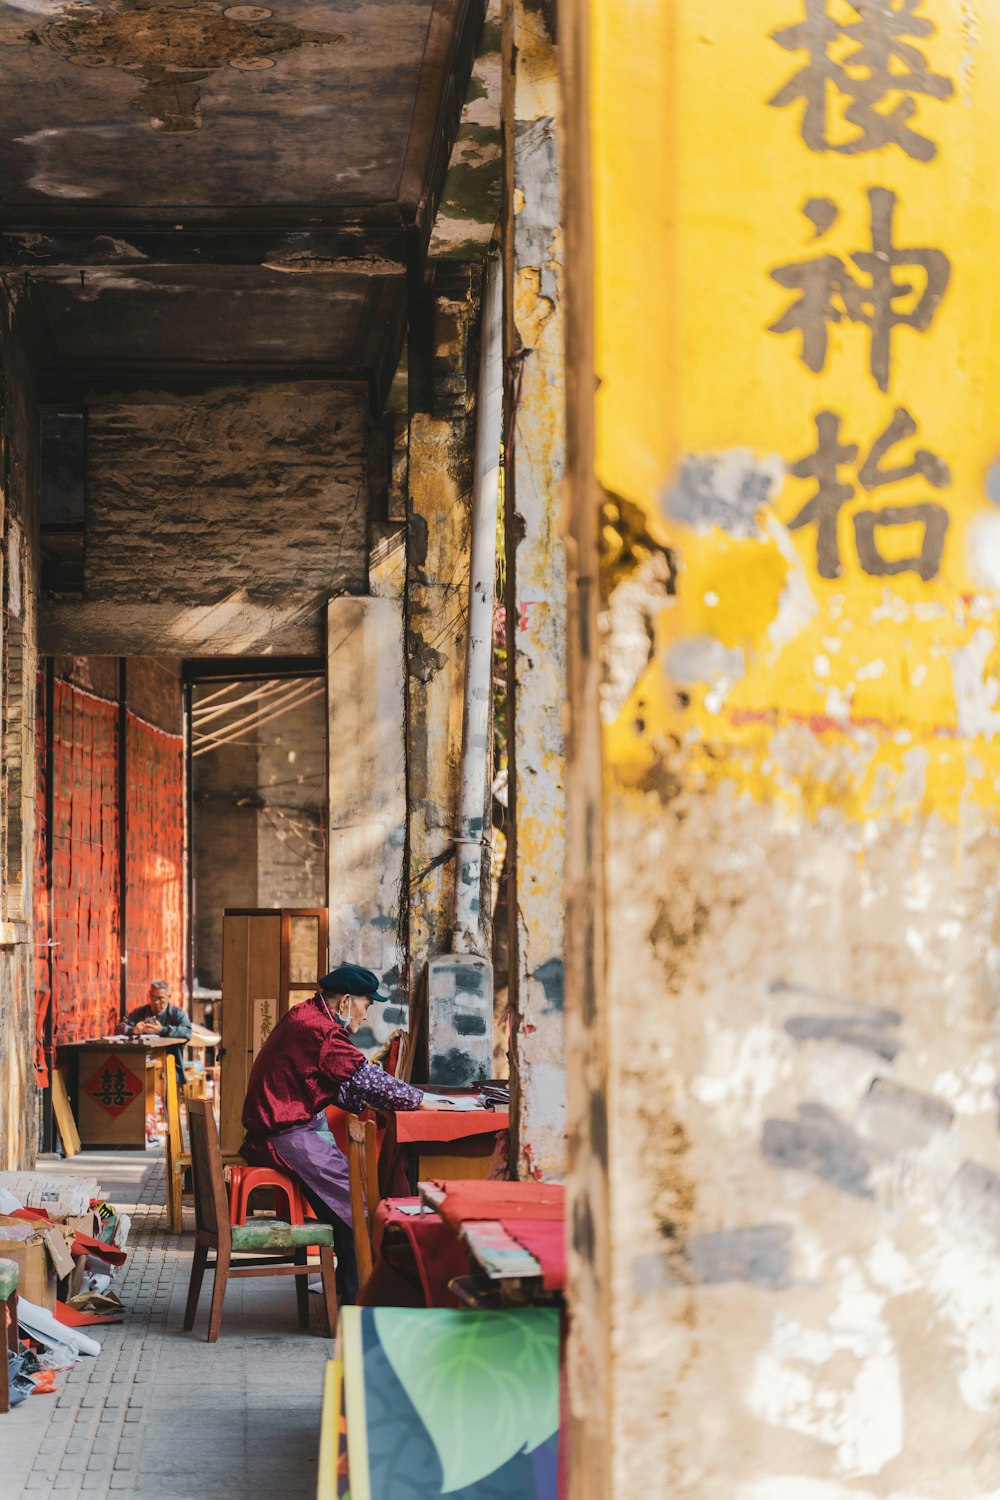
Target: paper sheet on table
point(451, 1102)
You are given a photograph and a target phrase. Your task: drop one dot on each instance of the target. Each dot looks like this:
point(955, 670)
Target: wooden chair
point(283, 1248)
point(362, 1169)
point(8, 1301)
point(178, 1159)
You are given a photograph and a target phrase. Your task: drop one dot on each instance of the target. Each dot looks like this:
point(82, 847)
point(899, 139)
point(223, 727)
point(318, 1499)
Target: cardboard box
point(36, 1279)
point(72, 1285)
point(40, 1260)
point(87, 1223)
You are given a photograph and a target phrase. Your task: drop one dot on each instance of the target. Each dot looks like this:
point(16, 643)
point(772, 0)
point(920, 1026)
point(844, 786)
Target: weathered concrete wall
point(259, 824)
point(441, 466)
point(366, 678)
point(291, 837)
point(219, 524)
point(536, 604)
point(470, 199)
point(437, 599)
point(18, 562)
point(224, 849)
point(802, 755)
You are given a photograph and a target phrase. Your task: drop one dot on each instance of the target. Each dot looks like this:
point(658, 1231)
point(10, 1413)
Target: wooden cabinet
point(271, 960)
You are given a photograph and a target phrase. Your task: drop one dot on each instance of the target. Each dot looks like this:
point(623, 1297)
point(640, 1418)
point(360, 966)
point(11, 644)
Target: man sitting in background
point(159, 1018)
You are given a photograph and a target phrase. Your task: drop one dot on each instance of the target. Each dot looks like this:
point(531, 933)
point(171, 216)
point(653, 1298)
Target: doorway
point(257, 781)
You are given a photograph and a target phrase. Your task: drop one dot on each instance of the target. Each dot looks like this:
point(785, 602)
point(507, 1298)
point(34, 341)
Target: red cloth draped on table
point(501, 1200)
point(532, 1213)
point(438, 1256)
point(440, 1125)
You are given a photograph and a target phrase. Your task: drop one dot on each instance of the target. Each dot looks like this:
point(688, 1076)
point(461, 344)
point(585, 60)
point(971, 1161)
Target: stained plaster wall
point(802, 885)
point(18, 525)
point(470, 198)
point(367, 795)
point(439, 507)
point(437, 597)
point(219, 523)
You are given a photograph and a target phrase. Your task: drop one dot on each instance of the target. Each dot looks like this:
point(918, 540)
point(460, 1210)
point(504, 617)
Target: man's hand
point(148, 1028)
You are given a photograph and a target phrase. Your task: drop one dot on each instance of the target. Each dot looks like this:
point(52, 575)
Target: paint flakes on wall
point(742, 1068)
point(725, 489)
point(757, 1254)
point(821, 1144)
point(871, 1029)
point(977, 687)
point(837, 1381)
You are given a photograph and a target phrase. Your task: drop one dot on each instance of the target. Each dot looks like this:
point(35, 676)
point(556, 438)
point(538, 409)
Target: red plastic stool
point(242, 1182)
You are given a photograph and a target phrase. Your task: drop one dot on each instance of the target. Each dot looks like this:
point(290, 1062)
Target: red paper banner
point(79, 976)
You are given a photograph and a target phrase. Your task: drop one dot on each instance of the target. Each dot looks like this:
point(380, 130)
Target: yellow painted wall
point(699, 189)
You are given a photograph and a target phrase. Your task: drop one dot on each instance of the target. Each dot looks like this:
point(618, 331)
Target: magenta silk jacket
point(308, 1063)
point(299, 1070)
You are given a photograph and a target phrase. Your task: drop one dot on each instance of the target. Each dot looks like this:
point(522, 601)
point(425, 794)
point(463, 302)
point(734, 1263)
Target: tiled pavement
point(161, 1413)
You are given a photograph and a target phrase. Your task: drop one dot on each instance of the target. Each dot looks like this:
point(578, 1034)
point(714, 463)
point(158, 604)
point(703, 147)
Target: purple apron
point(311, 1152)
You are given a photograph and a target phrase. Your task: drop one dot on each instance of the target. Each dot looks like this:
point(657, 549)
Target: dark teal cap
point(351, 979)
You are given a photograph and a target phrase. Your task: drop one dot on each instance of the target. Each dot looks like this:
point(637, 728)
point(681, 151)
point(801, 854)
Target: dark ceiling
point(187, 183)
point(163, 109)
point(165, 317)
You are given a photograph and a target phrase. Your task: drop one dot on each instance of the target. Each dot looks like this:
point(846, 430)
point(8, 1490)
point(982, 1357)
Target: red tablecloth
point(420, 1132)
point(465, 1200)
point(545, 1239)
point(448, 1124)
point(438, 1256)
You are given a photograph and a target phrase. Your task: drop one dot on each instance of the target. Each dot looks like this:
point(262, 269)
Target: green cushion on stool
point(271, 1234)
point(8, 1278)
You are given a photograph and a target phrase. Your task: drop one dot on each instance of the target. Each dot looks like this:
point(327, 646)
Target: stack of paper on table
point(455, 1101)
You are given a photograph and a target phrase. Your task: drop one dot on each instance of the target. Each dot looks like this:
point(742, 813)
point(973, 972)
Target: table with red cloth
point(415, 1138)
point(500, 1219)
point(415, 1255)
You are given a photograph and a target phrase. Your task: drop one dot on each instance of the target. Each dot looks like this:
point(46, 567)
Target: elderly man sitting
point(159, 1018)
point(307, 1063)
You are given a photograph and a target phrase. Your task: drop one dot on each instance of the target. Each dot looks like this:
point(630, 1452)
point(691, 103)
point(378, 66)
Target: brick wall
point(219, 523)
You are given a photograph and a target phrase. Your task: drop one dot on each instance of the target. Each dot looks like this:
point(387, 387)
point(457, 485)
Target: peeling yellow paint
point(532, 309)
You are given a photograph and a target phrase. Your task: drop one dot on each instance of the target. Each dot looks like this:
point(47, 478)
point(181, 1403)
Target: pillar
point(536, 603)
point(366, 675)
point(793, 1036)
point(592, 1390)
point(19, 443)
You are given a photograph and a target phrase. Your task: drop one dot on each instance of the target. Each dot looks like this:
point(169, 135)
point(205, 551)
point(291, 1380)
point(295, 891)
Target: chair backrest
point(392, 1055)
point(211, 1208)
point(362, 1168)
point(404, 1069)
